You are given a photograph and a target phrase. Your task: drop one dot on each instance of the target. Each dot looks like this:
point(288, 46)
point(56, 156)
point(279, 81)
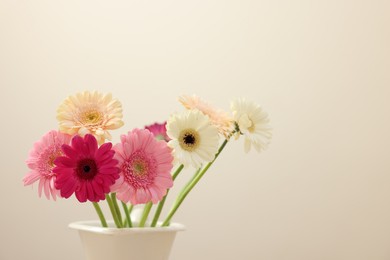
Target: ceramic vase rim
point(94, 226)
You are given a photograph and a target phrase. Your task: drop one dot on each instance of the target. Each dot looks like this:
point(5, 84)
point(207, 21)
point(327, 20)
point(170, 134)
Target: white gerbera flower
point(194, 138)
point(218, 117)
point(253, 123)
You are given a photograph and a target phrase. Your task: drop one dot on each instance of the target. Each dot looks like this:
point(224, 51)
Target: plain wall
point(320, 69)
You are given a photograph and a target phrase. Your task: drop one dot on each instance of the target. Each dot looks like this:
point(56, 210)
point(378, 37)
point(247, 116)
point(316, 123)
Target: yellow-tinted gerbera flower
point(90, 112)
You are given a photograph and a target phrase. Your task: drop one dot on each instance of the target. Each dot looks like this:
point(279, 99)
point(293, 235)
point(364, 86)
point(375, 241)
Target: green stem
point(113, 211)
point(189, 183)
point(187, 190)
point(131, 208)
point(145, 214)
point(100, 214)
point(127, 214)
point(162, 202)
point(115, 203)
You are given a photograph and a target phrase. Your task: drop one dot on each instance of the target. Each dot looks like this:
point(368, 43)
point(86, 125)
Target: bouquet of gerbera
point(76, 159)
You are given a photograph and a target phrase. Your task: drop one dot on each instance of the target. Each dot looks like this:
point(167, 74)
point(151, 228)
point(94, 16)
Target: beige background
point(320, 68)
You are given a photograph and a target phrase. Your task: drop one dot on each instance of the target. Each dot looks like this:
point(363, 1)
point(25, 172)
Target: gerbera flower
point(194, 138)
point(159, 131)
point(90, 112)
point(253, 123)
point(86, 170)
point(218, 117)
point(41, 162)
point(145, 164)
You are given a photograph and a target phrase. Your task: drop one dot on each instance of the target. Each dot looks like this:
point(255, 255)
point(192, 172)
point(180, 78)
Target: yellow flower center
point(91, 117)
point(139, 167)
point(51, 159)
point(189, 139)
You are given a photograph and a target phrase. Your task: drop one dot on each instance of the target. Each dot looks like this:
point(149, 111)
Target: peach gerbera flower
point(90, 113)
point(217, 117)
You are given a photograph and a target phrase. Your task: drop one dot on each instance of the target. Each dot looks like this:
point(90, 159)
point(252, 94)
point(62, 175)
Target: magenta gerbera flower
point(145, 164)
point(86, 169)
point(159, 131)
point(41, 162)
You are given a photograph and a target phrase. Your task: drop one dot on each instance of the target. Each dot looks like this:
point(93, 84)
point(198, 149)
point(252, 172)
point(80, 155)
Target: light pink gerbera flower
point(86, 169)
point(159, 131)
point(218, 117)
point(145, 165)
point(41, 162)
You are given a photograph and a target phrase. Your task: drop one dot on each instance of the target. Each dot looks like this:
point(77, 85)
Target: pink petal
point(141, 196)
point(40, 187)
point(127, 150)
point(97, 188)
point(53, 190)
point(31, 177)
point(90, 192)
point(105, 148)
point(67, 188)
point(119, 152)
point(92, 144)
point(154, 195)
point(124, 196)
point(107, 163)
point(66, 162)
point(47, 189)
point(69, 151)
point(117, 185)
point(78, 143)
point(63, 172)
point(162, 181)
point(81, 193)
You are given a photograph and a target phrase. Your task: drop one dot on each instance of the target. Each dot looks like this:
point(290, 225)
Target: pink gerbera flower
point(86, 170)
point(41, 162)
point(159, 131)
point(145, 164)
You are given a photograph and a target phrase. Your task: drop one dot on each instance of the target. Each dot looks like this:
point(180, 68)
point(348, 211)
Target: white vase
point(126, 243)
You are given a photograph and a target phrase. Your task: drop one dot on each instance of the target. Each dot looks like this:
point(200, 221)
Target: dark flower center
point(86, 169)
point(189, 139)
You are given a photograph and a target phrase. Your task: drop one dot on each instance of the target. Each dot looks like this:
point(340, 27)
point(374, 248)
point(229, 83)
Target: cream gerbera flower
point(252, 122)
point(194, 138)
point(218, 117)
point(90, 113)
